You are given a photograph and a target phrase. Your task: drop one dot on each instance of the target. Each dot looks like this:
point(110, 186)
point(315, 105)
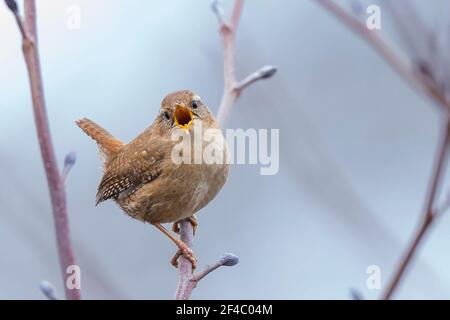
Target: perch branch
point(232, 89)
point(421, 80)
point(55, 182)
point(183, 292)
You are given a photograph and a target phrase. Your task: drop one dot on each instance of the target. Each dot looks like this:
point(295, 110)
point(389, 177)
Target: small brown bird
point(142, 176)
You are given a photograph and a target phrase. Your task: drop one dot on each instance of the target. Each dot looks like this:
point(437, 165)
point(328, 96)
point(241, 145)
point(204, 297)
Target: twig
point(190, 283)
point(227, 260)
point(232, 89)
point(429, 214)
point(12, 5)
point(55, 183)
point(417, 78)
point(443, 207)
point(263, 73)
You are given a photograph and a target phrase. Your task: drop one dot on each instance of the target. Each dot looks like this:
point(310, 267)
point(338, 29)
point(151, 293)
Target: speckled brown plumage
point(142, 178)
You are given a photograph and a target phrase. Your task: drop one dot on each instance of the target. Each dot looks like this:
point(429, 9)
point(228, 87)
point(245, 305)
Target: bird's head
point(181, 109)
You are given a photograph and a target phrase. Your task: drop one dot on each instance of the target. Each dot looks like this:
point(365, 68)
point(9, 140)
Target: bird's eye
point(166, 115)
point(194, 104)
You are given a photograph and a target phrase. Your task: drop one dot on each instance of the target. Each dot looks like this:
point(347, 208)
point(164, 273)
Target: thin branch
point(217, 9)
point(429, 215)
point(236, 14)
point(12, 5)
point(227, 260)
point(54, 180)
point(232, 89)
point(442, 209)
point(263, 73)
point(418, 78)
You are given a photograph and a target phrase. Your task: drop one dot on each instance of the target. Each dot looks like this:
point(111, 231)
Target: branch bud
point(228, 260)
point(48, 290)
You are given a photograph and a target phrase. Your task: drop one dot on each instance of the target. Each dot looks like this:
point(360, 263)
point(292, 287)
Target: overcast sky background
point(356, 149)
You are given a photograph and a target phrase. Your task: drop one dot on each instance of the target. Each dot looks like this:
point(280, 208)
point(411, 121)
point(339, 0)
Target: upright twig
point(55, 182)
point(232, 89)
point(421, 80)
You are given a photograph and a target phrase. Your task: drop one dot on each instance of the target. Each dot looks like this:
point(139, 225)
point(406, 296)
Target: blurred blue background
point(356, 150)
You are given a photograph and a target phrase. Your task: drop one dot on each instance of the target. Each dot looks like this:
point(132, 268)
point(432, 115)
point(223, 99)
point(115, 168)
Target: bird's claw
point(176, 227)
point(188, 254)
point(192, 220)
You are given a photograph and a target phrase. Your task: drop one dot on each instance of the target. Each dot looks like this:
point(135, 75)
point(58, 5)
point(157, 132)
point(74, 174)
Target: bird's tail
point(107, 143)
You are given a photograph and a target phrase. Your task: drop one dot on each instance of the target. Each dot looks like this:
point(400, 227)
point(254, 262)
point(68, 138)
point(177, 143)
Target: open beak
point(182, 117)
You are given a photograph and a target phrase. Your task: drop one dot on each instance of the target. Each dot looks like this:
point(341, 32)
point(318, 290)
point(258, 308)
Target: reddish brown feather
point(107, 143)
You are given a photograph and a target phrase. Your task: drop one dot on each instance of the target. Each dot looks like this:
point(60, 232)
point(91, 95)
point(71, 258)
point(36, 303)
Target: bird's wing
point(129, 171)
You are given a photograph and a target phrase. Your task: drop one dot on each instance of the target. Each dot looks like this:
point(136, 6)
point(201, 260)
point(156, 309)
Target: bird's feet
point(185, 251)
point(192, 220)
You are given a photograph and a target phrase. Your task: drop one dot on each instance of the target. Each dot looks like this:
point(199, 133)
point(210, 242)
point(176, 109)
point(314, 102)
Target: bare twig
point(12, 5)
point(263, 73)
point(443, 207)
point(419, 78)
point(415, 78)
point(429, 215)
point(232, 89)
point(55, 183)
point(190, 283)
point(227, 260)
